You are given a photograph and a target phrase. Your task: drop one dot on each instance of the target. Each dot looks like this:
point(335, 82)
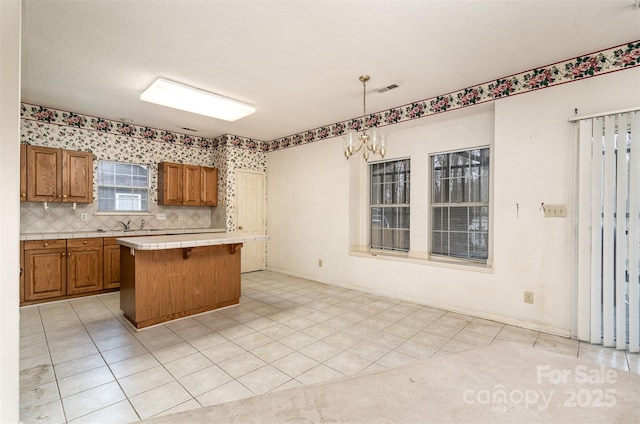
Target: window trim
point(447, 259)
point(381, 250)
point(147, 188)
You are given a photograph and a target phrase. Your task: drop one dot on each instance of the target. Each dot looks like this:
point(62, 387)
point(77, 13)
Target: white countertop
point(178, 241)
point(116, 233)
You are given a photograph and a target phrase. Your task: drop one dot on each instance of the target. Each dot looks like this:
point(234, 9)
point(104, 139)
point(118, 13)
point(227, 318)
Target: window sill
point(421, 260)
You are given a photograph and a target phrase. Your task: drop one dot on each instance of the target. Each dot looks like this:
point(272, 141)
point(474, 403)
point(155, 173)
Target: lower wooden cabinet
point(61, 268)
point(111, 278)
point(45, 269)
point(84, 265)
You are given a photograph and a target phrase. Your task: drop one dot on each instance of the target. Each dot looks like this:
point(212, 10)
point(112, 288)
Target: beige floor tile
point(297, 341)
point(453, 346)
point(113, 342)
point(226, 393)
point(173, 352)
point(40, 360)
point(190, 404)
point(84, 381)
point(319, 374)
point(473, 338)
point(294, 364)
point(160, 399)
point(124, 352)
point(36, 376)
point(92, 400)
point(120, 412)
point(416, 350)
point(347, 363)
point(278, 331)
point(236, 331)
point(206, 341)
point(71, 352)
point(241, 364)
point(51, 413)
point(264, 379)
point(39, 396)
point(188, 365)
point(223, 351)
point(252, 341)
point(205, 380)
point(166, 340)
point(133, 365)
point(395, 359)
point(272, 351)
point(145, 380)
point(320, 351)
point(369, 351)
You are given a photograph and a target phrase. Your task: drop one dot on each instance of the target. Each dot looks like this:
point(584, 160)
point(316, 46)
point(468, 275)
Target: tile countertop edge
point(179, 241)
point(116, 233)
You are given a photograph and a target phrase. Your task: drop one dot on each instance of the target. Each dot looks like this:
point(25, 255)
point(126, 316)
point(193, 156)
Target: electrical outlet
point(161, 216)
point(83, 216)
point(180, 216)
point(528, 297)
point(320, 263)
point(555, 211)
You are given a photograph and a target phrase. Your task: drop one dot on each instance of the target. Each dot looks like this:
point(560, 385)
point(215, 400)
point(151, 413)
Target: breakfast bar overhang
point(169, 277)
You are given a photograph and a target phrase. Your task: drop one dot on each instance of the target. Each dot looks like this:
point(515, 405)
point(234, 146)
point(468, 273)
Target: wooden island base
point(160, 285)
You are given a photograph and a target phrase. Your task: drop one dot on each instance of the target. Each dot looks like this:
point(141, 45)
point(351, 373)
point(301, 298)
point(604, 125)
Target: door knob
point(240, 227)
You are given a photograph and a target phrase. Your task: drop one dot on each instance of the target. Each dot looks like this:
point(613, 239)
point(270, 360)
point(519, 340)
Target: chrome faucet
point(125, 225)
point(142, 224)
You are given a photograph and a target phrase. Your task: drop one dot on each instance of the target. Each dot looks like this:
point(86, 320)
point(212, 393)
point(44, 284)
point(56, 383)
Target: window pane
point(458, 228)
point(390, 187)
point(123, 186)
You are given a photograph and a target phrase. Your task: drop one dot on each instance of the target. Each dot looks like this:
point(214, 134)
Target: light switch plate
point(555, 211)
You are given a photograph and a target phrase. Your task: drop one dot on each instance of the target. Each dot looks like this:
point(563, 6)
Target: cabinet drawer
point(84, 242)
point(44, 244)
point(111, 240)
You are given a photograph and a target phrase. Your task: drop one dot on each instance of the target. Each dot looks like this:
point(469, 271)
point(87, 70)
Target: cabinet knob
point(59, 196)
point(65, 196)
point(63, 254)
point(240, 227)
point(46, 244)
point(24, 194)
point(85, 242)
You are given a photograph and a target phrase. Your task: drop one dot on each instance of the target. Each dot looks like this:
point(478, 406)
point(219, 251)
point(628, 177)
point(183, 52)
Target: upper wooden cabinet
point(23, 172)
point(189, 185)
point(57, 175)
point(209, 186)
point(77, 176)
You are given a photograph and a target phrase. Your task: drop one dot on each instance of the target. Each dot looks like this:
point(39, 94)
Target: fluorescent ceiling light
point(183, 97)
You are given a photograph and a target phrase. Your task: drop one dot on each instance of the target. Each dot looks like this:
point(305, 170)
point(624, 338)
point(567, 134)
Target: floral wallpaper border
point(624, 56)
point(64, 118)
point(613, 59)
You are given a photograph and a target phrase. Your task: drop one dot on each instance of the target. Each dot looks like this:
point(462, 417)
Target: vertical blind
point(608, 265)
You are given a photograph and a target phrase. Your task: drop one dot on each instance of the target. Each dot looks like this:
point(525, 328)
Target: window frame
point(146, 189)
point(393, 248)
point(483, 233)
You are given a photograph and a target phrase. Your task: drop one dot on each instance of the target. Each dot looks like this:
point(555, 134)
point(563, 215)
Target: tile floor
point(81, 363)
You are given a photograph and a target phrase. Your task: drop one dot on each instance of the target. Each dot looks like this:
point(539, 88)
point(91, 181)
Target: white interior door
point(250, 217)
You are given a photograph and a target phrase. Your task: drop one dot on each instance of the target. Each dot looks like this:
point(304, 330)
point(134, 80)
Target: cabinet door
point(209, 186)
point(43, 174)
point(77, 176)
point(191, 185)
point(111, 266)
point(84, 268)
point(21, 271)
point(169, 183)
point(45, 273)
point(23, 172)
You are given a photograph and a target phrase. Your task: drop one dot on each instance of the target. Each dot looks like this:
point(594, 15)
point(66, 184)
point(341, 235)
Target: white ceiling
point(297, 62)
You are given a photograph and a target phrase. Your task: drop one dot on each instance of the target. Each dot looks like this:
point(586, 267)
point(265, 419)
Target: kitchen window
point(123, 187)
point(460, 205)
point(389, 205)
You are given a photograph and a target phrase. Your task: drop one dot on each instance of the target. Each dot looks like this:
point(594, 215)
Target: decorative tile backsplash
point(113, 140)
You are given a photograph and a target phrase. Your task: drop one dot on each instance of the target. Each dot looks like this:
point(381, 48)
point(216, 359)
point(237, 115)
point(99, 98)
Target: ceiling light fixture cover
point(179, 96)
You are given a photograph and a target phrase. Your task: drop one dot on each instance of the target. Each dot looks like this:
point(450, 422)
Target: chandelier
point(369, 140)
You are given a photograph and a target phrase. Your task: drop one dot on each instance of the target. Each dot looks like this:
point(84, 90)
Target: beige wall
point(9, 208)
point(313, 193)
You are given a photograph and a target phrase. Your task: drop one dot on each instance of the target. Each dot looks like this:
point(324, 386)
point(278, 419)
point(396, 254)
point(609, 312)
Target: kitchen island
point(169, 277)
